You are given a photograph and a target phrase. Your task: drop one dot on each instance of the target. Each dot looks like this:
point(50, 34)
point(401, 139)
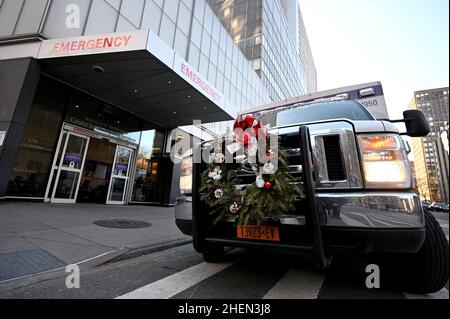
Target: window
point(194, 55)
point(30, 17)
point(102, 18)
point(196, 33)
point(208, 19)
point(148, 168)
point(184, 18)
point(124, 25)
point(171, 9)
point(88, 113)
point(181, 42)
point(55, 26)
point(199, 9)
point(151, 17)
point(31, 171)
point(206, 43)
point(167, 30)
point(132, 11)
point(204, 63)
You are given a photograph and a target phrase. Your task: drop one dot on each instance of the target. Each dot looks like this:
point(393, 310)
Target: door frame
point(67, 128)
point(55, 166)
point(126, 178)
point(60, 168)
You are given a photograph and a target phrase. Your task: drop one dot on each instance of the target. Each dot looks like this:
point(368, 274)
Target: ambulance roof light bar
point(339, 97)
point(312, 96)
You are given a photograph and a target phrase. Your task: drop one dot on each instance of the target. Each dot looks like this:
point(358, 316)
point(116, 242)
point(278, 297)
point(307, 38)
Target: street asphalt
point(158, 261)
point(180, 273)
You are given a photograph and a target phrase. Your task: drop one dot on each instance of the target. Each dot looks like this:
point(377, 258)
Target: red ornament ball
point(268, 185)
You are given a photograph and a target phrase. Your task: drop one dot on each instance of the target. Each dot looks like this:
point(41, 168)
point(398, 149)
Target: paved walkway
point(36, 237)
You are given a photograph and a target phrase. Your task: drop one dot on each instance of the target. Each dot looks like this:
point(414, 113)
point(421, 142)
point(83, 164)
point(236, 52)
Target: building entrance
point(90, 168)
point(97, 170)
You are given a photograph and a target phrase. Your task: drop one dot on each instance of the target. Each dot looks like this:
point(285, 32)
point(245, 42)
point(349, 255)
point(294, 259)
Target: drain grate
point(122, 223)
point(21, 263)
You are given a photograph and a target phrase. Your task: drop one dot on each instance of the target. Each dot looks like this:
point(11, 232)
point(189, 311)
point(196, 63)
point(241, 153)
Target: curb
point(141, 250)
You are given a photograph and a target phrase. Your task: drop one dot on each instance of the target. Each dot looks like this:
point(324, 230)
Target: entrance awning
point(137, 72)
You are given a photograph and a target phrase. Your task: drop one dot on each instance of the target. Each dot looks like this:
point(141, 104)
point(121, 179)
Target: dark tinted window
point(89, 113)
point(33, 161)
point(350, 110)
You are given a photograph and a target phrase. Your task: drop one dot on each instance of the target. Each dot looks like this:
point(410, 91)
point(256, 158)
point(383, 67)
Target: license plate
point(259, 232)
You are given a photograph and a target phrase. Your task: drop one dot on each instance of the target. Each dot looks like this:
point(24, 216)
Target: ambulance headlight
point(384, 160)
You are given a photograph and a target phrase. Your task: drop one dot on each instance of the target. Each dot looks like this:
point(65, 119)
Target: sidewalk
point(36, 237)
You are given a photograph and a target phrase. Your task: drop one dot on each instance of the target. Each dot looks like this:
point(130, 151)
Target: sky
point(402, 43)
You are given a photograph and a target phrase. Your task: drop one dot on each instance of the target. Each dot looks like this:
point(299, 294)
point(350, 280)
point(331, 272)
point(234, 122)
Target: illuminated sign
point(199, 83)
point(99, 43)
point(190, 75)
point(114, 42)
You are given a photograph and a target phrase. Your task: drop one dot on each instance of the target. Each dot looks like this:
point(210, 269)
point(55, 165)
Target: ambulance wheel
point(427, 270)
point(213, 253)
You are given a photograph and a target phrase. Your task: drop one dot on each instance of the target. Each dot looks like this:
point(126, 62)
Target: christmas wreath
point(274, 190)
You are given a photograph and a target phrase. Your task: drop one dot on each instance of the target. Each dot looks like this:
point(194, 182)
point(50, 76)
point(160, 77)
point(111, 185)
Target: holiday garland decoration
point(271, 195)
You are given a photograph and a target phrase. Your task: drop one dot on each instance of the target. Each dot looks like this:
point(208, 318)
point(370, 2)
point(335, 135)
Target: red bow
point(245, 123)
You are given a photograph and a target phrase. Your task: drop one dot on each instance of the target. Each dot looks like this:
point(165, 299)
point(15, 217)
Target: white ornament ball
point(218, 193)
point(259, 181)
point(269, 168)
point(234, 208)
point(219, 158)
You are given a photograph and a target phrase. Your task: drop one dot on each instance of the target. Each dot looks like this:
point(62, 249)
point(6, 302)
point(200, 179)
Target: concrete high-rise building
point(430, 157)
point(92, 92)
point(442, 155)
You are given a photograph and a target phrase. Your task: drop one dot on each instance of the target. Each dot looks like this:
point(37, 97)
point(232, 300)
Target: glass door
point(71, 162)
point(120, 176)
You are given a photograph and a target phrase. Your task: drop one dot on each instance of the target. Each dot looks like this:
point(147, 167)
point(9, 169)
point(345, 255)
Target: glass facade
point(40, 136)
point(19, 17)
point(306, 56)
point(271, 35)
point(296, 26)
point(53, 104)
point(148, 161)
point(285, 77)
point(87, 112)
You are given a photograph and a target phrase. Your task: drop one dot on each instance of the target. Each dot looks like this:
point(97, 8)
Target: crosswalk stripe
point(176, 283)
point(297, 284)
point(442, 294)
